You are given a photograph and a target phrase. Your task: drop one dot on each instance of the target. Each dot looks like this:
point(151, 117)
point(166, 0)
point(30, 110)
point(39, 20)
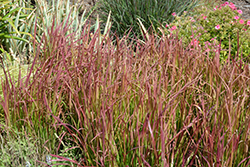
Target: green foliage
point(12, 24)
point(210, 27)
point(18, 149)
point(57, 12)
point(125, 13)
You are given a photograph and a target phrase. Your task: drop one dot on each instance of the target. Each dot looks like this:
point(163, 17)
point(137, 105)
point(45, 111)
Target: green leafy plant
point(125, 13)
point(12, 21)
point(220, 26)
point(18, 149)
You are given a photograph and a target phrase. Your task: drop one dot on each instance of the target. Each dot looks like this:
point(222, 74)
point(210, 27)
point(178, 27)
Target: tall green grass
point(152, 13)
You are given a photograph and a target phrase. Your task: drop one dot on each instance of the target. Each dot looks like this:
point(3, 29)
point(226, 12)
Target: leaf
point(3, 2)
point(7, 54)
point(108, 24)
point(143, 29)
point(12, 37)
point(12, 11)
point(12, 24)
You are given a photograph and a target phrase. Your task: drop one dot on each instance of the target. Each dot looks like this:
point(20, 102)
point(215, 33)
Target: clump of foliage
point(220, 26)
point(88, 102)
point(98, 104)
point(125, 13)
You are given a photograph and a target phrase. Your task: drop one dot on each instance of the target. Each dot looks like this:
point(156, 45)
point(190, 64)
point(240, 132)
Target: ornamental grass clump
point(125, 13)
point(93, 103)
point(162, 104)
point(221, 26)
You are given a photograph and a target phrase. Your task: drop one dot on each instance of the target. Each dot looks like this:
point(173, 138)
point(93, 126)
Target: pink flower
point(173, 28)
point(208, 43)
point(205, 17)
point(248, 22)
point(213, 39)
point(239, 11)
point(236, 17)
point(244, 29)
point(214, 8)
point(166, 25)
point(174, 14)
point(232, 6)
point(241, 21)
point(219, 8)
point(225, 4)
point(194, 42)
point(207, 50)
point(217, 27)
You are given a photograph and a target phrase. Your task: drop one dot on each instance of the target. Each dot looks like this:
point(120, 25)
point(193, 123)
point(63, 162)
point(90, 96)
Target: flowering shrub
point(210, 27)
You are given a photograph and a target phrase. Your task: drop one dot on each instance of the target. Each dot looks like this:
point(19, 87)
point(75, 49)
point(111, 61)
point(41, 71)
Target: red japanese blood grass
point(111, 106)
point(26, 102)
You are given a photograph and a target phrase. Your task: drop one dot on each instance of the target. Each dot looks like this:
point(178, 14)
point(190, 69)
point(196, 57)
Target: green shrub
point(125, 13)
point(210, 27)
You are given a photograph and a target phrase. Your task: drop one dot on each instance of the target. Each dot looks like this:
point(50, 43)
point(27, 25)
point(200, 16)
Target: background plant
point(210, 27)
point(124, 13)
point(12, 23)
point(50, 14)
point(18, 149)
